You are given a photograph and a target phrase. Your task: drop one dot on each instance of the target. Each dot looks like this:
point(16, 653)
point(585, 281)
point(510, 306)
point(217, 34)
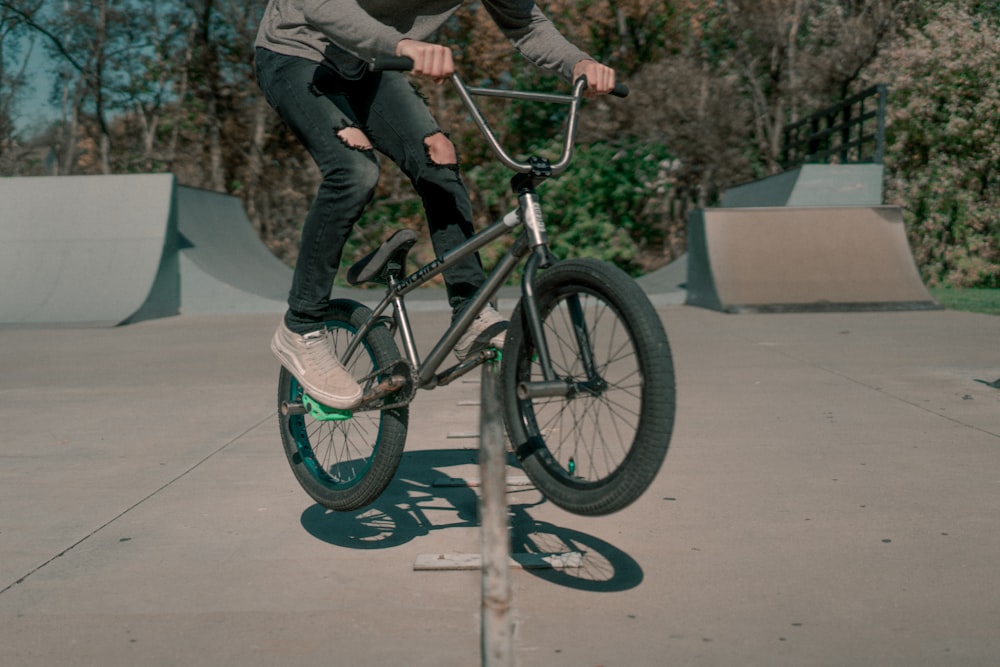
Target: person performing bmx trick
point(312, 63)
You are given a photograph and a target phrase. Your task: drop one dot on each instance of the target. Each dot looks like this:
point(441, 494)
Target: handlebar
point(405, 64)
point(391, 64)
point(466, 93)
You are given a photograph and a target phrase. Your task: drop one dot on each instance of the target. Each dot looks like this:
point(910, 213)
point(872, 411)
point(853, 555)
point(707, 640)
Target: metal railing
point(849, 132)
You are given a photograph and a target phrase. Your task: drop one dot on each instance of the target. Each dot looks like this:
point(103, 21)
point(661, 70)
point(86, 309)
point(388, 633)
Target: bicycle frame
point(533, 240)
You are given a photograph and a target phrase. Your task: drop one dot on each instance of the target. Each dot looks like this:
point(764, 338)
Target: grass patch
point(971, 300)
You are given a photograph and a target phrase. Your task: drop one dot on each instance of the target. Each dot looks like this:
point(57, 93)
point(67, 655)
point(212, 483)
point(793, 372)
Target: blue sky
point(33, 106)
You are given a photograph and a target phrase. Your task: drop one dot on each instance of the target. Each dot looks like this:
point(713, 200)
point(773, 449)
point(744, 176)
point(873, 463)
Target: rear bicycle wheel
point(596, 447)
point(346, 464)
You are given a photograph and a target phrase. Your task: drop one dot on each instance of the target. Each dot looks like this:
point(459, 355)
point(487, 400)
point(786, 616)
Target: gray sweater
point(347, 34)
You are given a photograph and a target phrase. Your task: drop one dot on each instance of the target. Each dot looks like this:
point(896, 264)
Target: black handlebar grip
point(620, 89)
point(391, 64)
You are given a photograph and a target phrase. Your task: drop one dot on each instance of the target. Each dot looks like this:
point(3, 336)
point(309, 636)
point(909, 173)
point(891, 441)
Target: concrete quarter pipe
point(88, 250)
point(224, 266)
point(109, 250)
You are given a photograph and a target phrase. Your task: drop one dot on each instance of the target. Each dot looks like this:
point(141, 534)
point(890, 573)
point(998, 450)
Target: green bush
point(600, 207)
point(943, 157)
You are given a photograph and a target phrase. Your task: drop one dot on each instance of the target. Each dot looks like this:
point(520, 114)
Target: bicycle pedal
point(324, 413)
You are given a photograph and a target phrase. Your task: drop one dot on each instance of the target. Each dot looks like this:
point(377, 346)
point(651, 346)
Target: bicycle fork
point(551, 385)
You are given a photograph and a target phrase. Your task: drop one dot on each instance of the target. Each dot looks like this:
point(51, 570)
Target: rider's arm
point(534, 35)
point(349, 26)
point(600, 78)
point(430, 60)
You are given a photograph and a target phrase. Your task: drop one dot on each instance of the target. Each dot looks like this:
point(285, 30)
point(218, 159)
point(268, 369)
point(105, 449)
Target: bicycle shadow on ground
point(427, 495)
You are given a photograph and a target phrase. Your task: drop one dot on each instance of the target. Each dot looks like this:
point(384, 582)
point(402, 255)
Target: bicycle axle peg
point(289, 409)
point(527, 390)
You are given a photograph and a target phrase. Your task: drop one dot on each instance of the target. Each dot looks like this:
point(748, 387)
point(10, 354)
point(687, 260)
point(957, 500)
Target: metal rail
point(849, 132)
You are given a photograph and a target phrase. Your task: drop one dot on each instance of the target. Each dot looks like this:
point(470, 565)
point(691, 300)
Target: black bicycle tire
point(609, 287)
point(390, 437)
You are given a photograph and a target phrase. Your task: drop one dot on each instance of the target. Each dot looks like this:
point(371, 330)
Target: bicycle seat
point(388, 259)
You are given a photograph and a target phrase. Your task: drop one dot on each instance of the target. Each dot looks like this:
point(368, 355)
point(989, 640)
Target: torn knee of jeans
point(440, 151)
point(420, 95)
point(355, 137)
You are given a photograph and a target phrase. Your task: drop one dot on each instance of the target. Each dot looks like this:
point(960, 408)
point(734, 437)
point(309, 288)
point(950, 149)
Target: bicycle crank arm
point(391, 384)
point(448, 376)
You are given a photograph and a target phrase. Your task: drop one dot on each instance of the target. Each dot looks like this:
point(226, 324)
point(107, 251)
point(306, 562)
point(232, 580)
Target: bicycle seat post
point(402, 319)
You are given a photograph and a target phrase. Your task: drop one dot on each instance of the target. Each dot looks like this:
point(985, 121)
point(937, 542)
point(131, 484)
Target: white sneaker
point(313, 361)
point(489, 329)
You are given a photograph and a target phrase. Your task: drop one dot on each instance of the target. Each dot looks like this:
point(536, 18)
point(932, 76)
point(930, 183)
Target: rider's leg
point(311, 100)
point(402, 127)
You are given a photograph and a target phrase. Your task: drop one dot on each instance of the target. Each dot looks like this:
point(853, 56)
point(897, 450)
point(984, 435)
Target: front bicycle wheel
point(593, 440)
point(345, 462)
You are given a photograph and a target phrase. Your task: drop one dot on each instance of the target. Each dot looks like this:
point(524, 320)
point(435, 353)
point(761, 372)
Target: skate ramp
point(666, 285)
point(225, 268)
point(802, 259)
point(812, 185)
point(88, 250)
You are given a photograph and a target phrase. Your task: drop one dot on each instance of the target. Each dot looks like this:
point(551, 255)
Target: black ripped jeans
point(317, 103)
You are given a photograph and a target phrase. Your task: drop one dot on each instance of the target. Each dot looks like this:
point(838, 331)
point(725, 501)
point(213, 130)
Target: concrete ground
point(831, 497)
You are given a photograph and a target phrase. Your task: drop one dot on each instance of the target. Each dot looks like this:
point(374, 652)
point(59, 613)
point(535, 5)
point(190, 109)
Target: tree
point(15, 50)
point(17, 44)
point(89, 41)
point(943, 157)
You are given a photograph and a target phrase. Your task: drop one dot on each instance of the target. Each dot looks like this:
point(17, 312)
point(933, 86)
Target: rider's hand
point(430, 60)
point(600, 78)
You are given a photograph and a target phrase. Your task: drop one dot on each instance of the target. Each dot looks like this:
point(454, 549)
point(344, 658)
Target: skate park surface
point(831, 497)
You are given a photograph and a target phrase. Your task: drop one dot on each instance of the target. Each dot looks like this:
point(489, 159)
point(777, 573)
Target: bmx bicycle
point(586, 373)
